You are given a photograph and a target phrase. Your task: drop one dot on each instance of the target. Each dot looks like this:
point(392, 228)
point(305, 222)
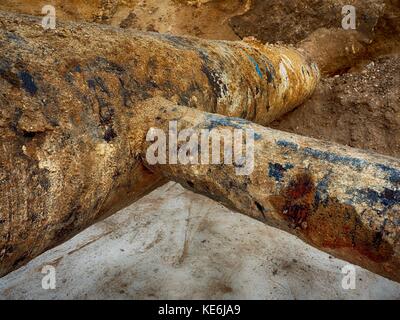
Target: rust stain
point(295, 203)
point(329, 224)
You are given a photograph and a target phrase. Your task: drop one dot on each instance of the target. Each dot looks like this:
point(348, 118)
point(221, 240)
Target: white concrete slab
point(174, 244)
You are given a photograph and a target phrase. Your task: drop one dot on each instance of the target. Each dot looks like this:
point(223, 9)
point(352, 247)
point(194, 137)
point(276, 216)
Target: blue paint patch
point(256, 65)
point(277, 171)
point(334, 158)
point(214, 121)
point(287, 144)
point(15, 37)
point(321, 194)
point(388, 197)
point(393, 174)
point(28, 83)
point(91, 84)
point(77, 68)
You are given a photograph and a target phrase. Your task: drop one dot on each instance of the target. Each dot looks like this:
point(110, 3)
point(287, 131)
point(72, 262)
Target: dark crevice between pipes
point(261, 208)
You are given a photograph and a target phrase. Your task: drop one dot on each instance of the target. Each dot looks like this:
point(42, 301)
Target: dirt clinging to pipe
point(359, 107)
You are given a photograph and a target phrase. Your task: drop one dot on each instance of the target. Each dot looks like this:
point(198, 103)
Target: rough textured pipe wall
point(71, 109)
point(341, 200)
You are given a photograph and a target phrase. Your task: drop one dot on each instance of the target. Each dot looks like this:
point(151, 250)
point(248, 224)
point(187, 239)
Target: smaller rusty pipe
point(341, 200)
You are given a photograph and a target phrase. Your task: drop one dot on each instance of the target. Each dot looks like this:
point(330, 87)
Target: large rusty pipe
point(71, 109)
point(341, 200)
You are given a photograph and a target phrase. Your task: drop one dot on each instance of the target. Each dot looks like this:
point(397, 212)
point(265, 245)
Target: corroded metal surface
point(71, 113)
point(341, 200)
point(73, 123)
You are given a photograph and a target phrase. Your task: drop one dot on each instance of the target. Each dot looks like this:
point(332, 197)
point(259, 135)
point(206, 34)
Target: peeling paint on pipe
point(341, 200)
point(72, 108)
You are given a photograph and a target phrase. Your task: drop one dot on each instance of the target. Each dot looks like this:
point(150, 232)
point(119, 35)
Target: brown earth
point(291, 21)
point(359, 107)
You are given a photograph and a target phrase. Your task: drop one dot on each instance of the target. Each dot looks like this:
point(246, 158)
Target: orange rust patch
point(338, 226)
point(295, 203)
point(331, 224)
